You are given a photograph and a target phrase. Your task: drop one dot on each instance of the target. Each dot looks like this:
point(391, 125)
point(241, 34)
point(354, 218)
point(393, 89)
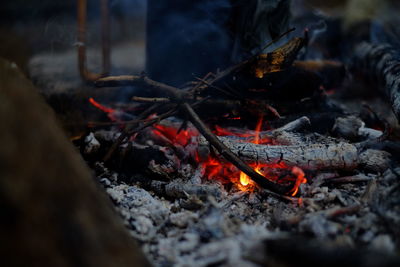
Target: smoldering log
point(382, 63)
point(158, 162)
point(342, 155)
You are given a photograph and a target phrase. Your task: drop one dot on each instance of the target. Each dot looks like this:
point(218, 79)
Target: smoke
point(129, 8)
point(187, 39)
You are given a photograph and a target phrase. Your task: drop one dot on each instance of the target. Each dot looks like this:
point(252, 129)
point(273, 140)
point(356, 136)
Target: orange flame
point(244, 179)
point(301, 179)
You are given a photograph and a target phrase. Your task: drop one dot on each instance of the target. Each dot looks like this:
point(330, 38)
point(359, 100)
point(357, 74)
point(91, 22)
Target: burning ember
point(115, 115)
point(100, 106)
point(217, 168)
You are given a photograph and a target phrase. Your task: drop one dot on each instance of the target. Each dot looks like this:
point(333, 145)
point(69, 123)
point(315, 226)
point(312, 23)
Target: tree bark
point(52, 212)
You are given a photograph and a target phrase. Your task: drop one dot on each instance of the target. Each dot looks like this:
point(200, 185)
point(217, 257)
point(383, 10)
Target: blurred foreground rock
point(52, 212)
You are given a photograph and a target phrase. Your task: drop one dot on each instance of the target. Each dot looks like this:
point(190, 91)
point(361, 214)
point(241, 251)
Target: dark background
point(29, 27)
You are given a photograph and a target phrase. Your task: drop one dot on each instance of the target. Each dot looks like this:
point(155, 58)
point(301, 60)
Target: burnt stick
point(126, 131)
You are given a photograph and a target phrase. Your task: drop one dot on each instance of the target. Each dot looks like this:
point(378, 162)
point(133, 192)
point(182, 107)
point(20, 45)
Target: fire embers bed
point(185, 183)
point(186, 205)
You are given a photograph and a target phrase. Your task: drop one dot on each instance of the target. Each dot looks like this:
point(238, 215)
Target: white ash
point(91, 144)
point(108, 136)
point(188, 220)
point(188, 230)
point(217, 232)
point(383, 243)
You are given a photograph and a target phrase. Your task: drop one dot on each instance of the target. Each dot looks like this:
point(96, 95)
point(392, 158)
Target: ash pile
point(188, 206)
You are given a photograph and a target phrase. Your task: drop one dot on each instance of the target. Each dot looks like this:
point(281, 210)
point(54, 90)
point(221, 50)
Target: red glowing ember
point(115, 115)
point(100, 106)
point(182, 137)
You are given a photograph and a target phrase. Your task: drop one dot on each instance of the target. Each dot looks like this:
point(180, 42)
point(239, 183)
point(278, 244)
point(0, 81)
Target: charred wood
point(353, 128)
point(382, 64)
point(311, 157)
point(349, 179)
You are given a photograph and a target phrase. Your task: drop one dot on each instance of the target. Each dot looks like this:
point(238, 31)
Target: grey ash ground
point(231, 227)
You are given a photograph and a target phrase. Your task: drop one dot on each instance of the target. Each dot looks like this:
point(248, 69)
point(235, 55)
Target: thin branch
point(215, 87)
point(150, 99)
point(126, 131)
point(134, 80)
point(159, 118)
point(112, 123)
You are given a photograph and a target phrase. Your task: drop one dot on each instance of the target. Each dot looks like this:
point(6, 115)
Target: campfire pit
point(299, 179)
point(258, 150)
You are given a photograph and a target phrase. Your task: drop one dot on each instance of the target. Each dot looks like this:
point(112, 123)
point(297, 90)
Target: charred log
point(382, 64)
point(311, 157)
